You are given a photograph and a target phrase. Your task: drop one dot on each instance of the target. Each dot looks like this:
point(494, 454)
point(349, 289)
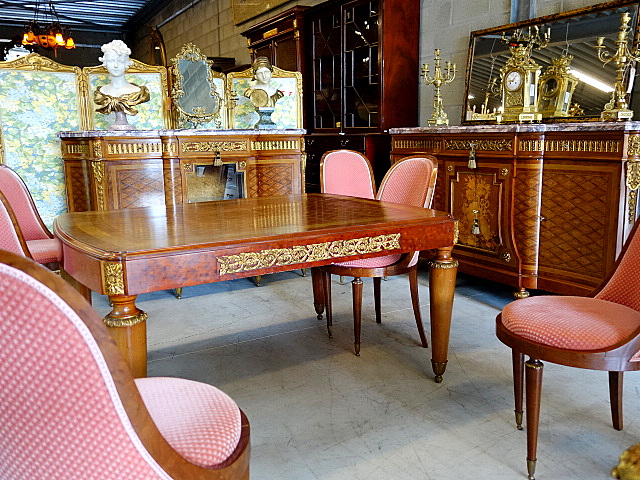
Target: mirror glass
point(194, 93)
point(572, 34)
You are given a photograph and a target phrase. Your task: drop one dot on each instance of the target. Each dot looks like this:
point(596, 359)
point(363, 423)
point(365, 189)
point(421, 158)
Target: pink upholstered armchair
point(71, 410)
point(410, 181)
point(39, 243)
point(600, 332)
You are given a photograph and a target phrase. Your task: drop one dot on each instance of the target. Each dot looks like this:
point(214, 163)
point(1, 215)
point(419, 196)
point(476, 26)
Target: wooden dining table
point(124, 253)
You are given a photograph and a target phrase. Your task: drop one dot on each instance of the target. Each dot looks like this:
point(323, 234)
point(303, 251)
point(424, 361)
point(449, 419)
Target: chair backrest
point(24, 208)
point(410, 181)
point(622, 285)
point(346, 172)
point(70, 408)
point(10, 235)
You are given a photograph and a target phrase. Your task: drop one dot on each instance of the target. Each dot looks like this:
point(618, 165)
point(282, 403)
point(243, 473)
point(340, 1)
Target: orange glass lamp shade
point(49, 38)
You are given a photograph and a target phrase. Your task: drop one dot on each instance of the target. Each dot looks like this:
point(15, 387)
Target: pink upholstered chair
point(410, 181)
point(346, 172)
point(600, 332)
point(71, 409)
point(40, 242)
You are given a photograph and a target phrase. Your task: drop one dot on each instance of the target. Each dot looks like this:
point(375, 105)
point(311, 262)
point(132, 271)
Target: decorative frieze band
point(133, 148)
point(229, 146)
point(276, 145)
point(530, 145)
point(431, 144)
point(595, 146)
point(77, 148)
point(277, 257)
point(499, 145)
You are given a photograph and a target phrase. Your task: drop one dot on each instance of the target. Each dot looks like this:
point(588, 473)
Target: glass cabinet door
point(361, 83)
point(327, 69)
point(345, 66)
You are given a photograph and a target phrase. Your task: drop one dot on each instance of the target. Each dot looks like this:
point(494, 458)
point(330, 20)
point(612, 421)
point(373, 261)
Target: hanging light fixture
point(49, 36)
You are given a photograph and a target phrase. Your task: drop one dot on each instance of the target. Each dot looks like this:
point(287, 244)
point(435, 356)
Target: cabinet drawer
point(335, 142)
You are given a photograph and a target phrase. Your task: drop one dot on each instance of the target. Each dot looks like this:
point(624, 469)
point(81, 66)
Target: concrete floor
point(319, 412)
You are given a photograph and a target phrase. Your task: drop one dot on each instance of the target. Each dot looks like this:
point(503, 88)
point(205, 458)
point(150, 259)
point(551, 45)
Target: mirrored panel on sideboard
point(571, 34)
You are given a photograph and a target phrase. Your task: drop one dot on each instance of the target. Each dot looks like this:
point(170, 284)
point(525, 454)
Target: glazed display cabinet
point(362, 78)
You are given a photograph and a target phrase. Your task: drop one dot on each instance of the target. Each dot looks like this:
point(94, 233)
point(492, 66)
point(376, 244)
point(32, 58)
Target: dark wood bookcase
point(280, 39)
point(360, 68)
point(362, 78)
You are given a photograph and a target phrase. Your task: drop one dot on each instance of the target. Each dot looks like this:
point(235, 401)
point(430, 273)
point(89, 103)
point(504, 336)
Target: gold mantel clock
point(520, 76)
point(556, 88)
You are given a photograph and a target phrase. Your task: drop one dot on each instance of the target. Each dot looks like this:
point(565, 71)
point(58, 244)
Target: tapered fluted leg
point(615, 396)
point(518, 384)
point(533, 379)
point(318, 291)
point(376, 299)
point(442, 285)
point(357, 312)
point(415, 300)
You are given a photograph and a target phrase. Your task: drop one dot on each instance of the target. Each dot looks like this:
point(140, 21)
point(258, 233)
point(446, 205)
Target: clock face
point(513, 80)
point(550, 87)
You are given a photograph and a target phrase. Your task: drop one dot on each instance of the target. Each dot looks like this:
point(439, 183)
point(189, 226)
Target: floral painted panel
point(34, 107)
point(150, 114)
point(285, 113)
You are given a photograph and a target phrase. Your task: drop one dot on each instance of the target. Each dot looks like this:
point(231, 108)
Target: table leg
point(128, 327)
point(442, 284)
point(318, 291)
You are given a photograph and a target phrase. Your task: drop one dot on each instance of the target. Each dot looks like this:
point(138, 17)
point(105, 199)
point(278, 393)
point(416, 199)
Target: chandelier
point(49, 36)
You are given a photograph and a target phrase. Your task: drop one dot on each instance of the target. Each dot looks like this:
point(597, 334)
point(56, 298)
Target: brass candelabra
point(440, 77)
point(618, 108)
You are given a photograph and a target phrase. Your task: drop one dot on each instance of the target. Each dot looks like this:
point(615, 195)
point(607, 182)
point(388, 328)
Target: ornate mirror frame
point(572, 33)
point(195, 97)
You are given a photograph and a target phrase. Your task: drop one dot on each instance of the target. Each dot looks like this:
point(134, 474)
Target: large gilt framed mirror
point(571, 35)
point(197, 91)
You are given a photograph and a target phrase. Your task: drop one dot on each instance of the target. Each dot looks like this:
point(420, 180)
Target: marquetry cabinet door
point(579, 223)
point(481, 200)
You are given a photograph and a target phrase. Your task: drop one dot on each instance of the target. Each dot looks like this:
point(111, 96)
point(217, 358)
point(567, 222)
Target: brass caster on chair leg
point(179, 293)
point(518, 420)
point(356, 347)
point(330, 330)
point(531, 469)
point(438, 370)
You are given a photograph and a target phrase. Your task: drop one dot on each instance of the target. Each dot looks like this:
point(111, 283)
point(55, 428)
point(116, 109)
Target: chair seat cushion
point(48, 250)
point(199, 421)
point(573, 323)
point(374, 262)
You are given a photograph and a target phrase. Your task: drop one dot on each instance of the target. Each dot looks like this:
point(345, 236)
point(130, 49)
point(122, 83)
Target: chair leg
point(178, 293)
point(615, 396)
point(533, 378)
point(318, 291)
point(357, 312)
point(518, 384)
point(415, 300)
point(326, 288)
point(376, 299)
